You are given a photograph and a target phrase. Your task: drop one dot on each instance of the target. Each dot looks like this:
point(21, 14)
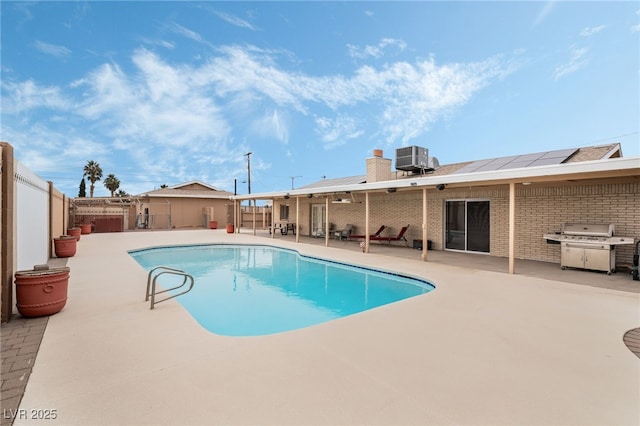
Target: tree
point(122, 193)
point(93, 172)
point(112, 183)
point(82, 191)
point(164, 185)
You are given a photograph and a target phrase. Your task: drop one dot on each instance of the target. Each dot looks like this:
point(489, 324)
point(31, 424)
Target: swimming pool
point(250, 290)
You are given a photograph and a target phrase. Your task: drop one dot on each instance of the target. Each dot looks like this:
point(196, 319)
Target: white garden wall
point(32, 218)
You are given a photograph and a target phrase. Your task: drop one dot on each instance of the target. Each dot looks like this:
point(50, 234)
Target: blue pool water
point(243, 290)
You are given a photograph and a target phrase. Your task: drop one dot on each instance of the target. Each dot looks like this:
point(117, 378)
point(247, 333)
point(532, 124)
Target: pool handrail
point(151, 284)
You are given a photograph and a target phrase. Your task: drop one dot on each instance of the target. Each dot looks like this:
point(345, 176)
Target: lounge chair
point(377, 234)
point(399, 237)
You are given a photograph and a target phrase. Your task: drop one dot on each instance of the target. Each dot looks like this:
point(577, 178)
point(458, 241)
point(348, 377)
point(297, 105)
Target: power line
point(615, 137)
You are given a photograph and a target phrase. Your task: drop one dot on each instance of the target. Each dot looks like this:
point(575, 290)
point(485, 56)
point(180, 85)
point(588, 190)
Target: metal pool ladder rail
point(151, 283)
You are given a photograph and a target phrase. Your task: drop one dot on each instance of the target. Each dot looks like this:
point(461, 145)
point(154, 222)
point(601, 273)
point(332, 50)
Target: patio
point(543, 346)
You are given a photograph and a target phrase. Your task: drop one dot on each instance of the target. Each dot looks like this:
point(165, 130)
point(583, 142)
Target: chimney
point(378, 168)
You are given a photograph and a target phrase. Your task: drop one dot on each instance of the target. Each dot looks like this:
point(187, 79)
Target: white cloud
point(185, 32)
point(376, 51)
point(337, 131)
point(162, 43)
point(543, 13)
point(52, 49)
point(28, 95)
point(234, 20)
point(177, 122)
point(272, 125)
point(576, 62)
point(589, 31)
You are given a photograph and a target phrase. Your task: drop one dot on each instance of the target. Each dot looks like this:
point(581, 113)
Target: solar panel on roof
point(518, 161)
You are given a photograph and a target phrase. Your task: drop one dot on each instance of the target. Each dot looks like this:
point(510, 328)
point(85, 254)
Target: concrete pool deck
point(484, 348)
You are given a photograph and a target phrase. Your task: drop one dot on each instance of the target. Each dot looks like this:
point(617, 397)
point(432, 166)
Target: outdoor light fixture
point(310, 196)
point(286, 197)
point(440, 187)
point(390, 190)
point(413, 183)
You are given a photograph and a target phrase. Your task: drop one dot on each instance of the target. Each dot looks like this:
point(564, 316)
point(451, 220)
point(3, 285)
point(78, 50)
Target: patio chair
point(345, 233)
point(377, 234)
point(399, 237)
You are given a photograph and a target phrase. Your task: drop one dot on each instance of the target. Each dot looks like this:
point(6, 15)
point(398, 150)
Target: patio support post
point(297, 219)
point(366, 222)
point(326, 222)
point(254, 217)
point(273, 217)
point(512, 227)
point(424, 225)
point(235, 216)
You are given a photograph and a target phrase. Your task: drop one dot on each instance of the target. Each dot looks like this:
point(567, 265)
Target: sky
point(162, 93)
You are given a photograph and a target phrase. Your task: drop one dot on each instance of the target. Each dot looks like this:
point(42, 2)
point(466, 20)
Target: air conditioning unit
point(414, 159)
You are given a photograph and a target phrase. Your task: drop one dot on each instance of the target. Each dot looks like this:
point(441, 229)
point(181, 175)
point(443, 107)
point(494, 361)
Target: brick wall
point(539, 210)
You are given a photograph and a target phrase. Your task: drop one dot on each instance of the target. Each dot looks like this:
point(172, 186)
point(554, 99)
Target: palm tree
point(112, 183)
point(122, 193)
point(93, 172)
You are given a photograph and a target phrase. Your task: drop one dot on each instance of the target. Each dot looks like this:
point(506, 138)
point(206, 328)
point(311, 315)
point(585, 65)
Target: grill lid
point(588, 229)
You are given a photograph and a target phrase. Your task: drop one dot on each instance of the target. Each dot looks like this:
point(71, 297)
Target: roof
point(336, 181)
point(583, 163)
point(192, 189)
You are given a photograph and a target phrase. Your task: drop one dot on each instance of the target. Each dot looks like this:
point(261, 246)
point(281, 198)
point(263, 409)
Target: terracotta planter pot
point(41, 292)
point(230, 228)
point(85, 228)
point(65, 246)
point(75, 232)
point(213, 224)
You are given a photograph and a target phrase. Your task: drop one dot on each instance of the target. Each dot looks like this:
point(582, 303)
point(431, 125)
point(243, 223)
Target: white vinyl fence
point(32, 218)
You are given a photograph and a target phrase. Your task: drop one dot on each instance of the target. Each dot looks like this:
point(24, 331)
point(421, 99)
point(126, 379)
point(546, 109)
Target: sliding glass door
point(467, 225)
point(318, 212)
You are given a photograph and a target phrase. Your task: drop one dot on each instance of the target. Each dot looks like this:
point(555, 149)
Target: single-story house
point(498, 207)
point(187, 205)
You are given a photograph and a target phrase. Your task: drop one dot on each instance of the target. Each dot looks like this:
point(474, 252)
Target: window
point(284, 212)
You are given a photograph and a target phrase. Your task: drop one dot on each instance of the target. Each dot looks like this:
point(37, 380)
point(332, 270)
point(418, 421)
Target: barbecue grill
point(588, 246)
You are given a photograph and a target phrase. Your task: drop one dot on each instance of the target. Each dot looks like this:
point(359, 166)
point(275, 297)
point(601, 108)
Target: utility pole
point(248, 155)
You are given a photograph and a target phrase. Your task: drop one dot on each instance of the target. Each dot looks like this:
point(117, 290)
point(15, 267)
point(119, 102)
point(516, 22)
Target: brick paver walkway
point(21, 339)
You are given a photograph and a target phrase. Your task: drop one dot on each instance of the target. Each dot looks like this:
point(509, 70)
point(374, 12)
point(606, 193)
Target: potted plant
point(213, 224)
point(230, 228)
point(41, 291)
point(65, 246)
point(75, 232)
point(85, 228)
